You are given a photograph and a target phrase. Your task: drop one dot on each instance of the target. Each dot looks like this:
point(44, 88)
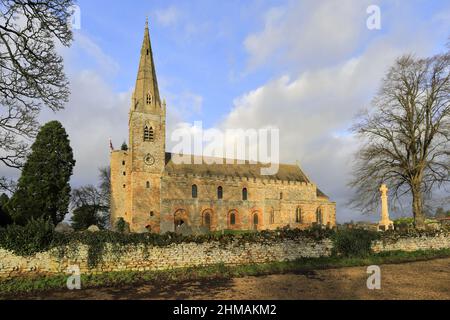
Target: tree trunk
point(419, 218)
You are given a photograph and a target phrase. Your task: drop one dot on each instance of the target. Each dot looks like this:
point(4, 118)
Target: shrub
point(353, 242)
point(122, 226)
point(36, 236)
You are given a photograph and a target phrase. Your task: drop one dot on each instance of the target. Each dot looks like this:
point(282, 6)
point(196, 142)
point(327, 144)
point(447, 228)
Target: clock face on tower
point(149, 160)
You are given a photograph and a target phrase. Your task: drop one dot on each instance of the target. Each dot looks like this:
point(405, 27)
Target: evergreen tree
point(43, 189)
point(5, 218)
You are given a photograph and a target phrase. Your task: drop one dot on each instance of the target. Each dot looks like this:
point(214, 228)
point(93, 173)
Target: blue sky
point(305, 67)
point(199, 46)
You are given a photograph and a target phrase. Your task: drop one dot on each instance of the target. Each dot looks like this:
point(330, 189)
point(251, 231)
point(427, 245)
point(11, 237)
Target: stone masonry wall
point(139, 258)
point(413, 244)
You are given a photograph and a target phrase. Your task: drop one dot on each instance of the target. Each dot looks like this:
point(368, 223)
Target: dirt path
point(419, 280)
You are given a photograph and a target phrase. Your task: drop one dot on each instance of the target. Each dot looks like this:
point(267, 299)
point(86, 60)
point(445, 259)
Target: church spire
point(146, 94)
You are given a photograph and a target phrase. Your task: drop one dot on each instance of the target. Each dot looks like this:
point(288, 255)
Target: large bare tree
point(31, 71)
point(406, 135)
point(91, 204)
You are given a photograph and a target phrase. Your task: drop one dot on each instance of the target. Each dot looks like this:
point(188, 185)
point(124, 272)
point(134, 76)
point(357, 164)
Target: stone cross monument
point(385, 223)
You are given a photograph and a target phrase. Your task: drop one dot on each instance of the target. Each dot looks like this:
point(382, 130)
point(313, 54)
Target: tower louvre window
point(149, 134)
point(149, 98)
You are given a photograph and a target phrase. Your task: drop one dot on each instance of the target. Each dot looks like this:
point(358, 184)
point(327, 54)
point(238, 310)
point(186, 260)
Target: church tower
point(146, 152)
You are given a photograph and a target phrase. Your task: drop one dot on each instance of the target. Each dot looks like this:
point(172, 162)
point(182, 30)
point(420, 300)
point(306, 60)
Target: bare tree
point(90, 203)
point(89, 208)
point(406, 135)
point(105, 185)
point(31, 71)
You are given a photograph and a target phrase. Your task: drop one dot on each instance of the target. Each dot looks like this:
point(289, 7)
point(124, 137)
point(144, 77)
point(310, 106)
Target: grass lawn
point(116, 279)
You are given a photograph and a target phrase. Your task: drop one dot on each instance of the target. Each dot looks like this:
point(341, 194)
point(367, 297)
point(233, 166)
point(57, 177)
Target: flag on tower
point(111, 145)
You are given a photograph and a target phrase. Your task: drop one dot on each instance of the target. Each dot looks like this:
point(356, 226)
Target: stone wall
point(140, 258)
point(413, 243)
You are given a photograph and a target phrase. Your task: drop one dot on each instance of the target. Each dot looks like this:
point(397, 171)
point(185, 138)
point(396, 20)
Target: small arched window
point(255, 221)
point(298, 215)
point(244, 194)
point(319, 216)
point(281, 195)
point(232, 218)
point(194, 191)
point(149, 98)
point(220, 193)
point(148, 184)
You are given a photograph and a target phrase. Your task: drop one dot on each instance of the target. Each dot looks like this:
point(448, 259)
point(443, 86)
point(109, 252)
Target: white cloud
point(93, 50)
point(94, 114)
point(168, 17)
point(308, 32)
point(334, 71)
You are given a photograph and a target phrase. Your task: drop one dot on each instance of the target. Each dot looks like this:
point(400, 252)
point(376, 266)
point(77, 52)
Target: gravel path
point(418, 280)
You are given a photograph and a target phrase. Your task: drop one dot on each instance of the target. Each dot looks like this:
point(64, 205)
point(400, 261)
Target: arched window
point(207, 220)
point(232, 218)
point(319, 216)
point(255, 221)
point(281, 195)
point(220, 193)
point(244, 194)
point(298, 215)
point(272, 217)
point(194, 191)
point(149, 134)
point(149, 98)
point(148, 184)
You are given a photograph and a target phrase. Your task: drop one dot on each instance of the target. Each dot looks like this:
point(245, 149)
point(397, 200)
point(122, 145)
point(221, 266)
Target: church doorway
point(180, 219)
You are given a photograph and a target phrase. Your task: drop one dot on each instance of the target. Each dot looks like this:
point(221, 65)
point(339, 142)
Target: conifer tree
point(5, 218)
point(43, 189)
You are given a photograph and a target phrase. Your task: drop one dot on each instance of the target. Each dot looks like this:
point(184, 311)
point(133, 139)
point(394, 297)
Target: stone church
point(153, 194)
